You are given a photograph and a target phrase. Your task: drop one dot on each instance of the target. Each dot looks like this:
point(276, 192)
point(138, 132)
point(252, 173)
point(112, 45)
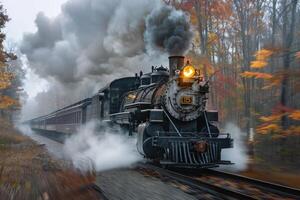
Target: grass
point(28, 172)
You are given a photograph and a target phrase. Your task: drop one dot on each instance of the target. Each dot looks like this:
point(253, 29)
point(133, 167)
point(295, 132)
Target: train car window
point(155, 79)
point(114, 95)
point(101, 96)
point(158, 78)
point(145, 81)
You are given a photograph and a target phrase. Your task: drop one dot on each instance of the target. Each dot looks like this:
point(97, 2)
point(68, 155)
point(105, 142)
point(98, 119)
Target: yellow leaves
point(295, 115)
point(263, 54)
point(212, 38)
point(4, 85)
point(271, 123)
point(5, 78)
point(261, 57)
point(257, 75)
point(267, 128)
point(258, 64)
point(271, 118)
point(6, 102)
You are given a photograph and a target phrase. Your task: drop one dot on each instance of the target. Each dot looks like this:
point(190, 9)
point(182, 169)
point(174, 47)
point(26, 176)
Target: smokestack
point(175, 63)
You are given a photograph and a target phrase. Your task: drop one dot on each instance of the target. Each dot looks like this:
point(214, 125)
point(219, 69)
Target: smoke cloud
point(92, 42)
point(168, 29)
point(237, 154)
point(89, 44)
point(105, 148)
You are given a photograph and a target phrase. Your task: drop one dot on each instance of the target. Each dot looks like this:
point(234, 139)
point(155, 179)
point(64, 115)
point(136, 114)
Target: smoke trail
point(105, 148)
point(237, 154)
point(92, 42)
point(168, 30)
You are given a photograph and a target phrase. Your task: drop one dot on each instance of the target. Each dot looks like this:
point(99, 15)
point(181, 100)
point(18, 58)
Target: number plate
point(186, 100)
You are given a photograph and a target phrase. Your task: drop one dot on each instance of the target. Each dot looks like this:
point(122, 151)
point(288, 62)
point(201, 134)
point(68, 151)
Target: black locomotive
point(165, 109)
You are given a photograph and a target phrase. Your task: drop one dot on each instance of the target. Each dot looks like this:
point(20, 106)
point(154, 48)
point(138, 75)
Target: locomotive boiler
point(168, 114)
point(165, 109)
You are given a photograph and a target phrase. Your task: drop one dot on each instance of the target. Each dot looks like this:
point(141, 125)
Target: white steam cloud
point(237, 154)
point(102, 148)
point(92, 42)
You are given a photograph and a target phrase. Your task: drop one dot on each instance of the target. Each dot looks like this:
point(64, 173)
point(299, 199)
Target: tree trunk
point(242, 15)
point(288, 36)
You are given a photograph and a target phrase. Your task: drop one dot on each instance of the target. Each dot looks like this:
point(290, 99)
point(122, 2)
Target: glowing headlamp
point(188, 71)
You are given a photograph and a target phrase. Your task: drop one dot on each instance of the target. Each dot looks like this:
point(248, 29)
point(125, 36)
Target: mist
point(237, 154)
point(101, 148)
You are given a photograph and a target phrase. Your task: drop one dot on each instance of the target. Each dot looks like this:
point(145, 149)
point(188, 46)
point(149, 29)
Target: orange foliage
point(267, 128)
point(271, 122)
point(257, 75)
point(222, 9)
point(212, 38)
point(258, 64)
point(295, 115)
point(193, 17)
point(5, 78)
point(263, 54)
point(6, 102)
point(261, 57)
point(271, 118)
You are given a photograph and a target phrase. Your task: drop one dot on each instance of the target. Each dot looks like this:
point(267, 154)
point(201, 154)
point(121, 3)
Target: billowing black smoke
point(169, 30)
point(92, 42)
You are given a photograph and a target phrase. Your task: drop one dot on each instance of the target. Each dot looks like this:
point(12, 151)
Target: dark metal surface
point(182, 152)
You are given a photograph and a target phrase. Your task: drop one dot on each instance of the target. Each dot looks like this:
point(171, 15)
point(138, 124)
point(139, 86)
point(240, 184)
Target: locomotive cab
point(159, 74)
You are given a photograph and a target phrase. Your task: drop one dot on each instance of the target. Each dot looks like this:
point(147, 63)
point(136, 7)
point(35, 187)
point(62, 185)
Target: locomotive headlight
point(188, 71)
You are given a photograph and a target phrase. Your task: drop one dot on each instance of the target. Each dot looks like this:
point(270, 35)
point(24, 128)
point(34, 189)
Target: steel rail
point(217, 191)
point(265, 185)
point(100, 192)
point(220, 191)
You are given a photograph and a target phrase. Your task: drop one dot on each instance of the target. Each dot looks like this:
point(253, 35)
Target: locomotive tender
point(165, 109)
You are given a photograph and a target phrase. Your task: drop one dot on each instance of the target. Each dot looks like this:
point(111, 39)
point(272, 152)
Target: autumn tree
point(288, 27)
point(278, 67)
point(250, 47)
point(7, 76)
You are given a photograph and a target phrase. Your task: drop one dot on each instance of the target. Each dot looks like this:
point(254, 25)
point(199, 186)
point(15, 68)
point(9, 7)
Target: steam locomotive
point(164, 109)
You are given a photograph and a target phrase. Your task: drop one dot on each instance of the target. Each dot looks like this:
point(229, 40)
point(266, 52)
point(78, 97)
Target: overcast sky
point(23, 13)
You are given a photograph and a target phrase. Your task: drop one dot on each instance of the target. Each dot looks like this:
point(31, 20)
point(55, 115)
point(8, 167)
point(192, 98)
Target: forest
point(10, 75)
point(250, 51)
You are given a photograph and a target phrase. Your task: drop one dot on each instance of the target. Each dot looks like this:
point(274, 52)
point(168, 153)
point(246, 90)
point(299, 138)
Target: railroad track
point(272, 188)
point(99, 191)
point(215, 184)
point(212, 184)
